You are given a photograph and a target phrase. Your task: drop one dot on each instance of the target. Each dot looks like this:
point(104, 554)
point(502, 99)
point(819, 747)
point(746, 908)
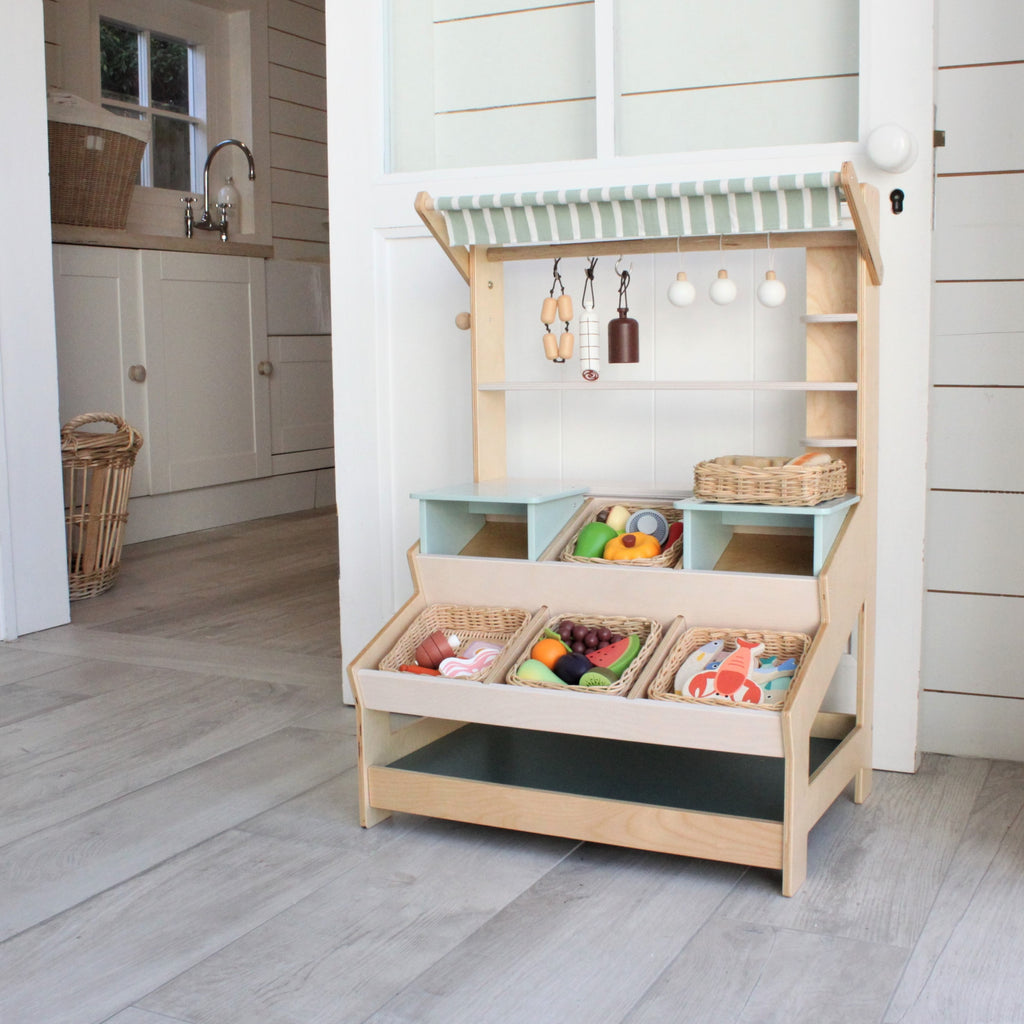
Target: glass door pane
point(734, 74)
point(488, 82)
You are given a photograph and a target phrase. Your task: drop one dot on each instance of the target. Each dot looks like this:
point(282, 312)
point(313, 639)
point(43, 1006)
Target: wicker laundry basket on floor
point(97, 477)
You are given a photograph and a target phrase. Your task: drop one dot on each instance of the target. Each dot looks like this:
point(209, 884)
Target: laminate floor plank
point(19, 664)
point(583, 944)
point(63, 865)
point(245, 662)
point(338, 955)
point(981, 902)
point(875, 880)
point(214, 717)
point(107, 953)
point(740, 972)
point(133, 1015)
point(19, 701)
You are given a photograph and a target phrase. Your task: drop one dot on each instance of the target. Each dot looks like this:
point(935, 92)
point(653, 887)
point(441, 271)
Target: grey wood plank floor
point(179, 842)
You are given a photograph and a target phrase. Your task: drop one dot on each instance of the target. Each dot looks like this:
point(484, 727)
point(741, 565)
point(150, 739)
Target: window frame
point(231, 38)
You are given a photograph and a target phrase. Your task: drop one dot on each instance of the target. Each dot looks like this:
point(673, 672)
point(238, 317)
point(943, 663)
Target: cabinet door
point(206, 335)
point(301, 403)
point(97, 296)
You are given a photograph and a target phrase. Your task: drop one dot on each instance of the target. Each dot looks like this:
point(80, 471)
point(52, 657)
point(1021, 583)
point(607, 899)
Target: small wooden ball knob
point(463, 321)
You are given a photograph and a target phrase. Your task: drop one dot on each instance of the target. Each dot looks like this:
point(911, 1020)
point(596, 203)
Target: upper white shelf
point(829, 318)
point(670, 385)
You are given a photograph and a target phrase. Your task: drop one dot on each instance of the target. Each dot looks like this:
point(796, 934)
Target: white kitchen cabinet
point(301, 403)
point(97, 299)
point(209, 405)
point(174, 343)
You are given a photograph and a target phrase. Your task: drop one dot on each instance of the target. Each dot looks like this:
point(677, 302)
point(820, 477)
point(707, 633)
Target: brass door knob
point(265, 368)
point(137, 373)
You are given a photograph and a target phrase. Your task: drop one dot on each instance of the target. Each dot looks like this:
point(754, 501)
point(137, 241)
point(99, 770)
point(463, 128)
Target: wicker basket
point(754, 480)
point(498, 625)
point(668, 558)
point(782, 645)
point(97, 478)
point(648, 629)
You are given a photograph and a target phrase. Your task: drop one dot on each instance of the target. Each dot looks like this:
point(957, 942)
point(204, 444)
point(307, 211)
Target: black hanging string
point(623, 285)
point(589, 283)
point(557, 278)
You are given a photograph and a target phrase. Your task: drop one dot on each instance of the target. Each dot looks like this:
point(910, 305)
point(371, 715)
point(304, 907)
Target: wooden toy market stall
point(740, 784)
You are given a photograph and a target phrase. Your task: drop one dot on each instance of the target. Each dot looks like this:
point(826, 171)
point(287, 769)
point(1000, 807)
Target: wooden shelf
point(669, 385)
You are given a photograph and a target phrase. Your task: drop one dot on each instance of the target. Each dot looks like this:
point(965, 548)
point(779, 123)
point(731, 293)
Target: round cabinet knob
point(463, 321)
point(265, 368)
point(137, 373)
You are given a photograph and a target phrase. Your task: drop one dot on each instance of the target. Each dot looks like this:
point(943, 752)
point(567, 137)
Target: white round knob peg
point(722, 290)
point(680, 291)
point(771, 291)
point(892, 148)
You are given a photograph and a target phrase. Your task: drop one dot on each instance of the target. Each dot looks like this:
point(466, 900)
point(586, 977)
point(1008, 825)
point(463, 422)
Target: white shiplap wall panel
point(980, 233)
point(969, 660)
point(972, 440)
point(722, 118)
point(525, 57)
point(975, 545)
point(978, 307)
point(978, 31)
point(298, 121)
point(295, 52)
point(973, 692)
point(298, 87)
point(299, 223)
point(300, 155)
point(299, 18)
point(979, 359)
point(972, 726)
point(975, 125)
point(664, 44)
point(299, 189)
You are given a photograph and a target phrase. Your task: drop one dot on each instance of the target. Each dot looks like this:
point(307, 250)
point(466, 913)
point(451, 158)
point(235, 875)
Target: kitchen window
point(159, 79)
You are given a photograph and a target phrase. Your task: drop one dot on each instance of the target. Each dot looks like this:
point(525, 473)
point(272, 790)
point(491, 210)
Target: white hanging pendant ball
point(771, 291)
point(680, 291)
point(722, 290)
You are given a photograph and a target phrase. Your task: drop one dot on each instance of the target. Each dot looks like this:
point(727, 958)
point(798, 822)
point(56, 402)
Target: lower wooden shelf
point(667, 799)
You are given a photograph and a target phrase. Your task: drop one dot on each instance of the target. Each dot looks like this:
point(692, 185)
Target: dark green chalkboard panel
point(746, 785)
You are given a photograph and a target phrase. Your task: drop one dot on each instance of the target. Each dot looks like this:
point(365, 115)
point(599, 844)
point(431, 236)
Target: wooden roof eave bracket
point(864, 221)
point(458, 254)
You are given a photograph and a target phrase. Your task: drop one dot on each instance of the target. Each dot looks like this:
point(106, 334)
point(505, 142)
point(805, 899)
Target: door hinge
point(938, 138)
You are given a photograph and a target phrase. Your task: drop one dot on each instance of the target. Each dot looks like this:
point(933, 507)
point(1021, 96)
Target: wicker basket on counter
point(776, 644)
point(468, 622)
point(669, 557)
point(757, 480)
point(647, 629)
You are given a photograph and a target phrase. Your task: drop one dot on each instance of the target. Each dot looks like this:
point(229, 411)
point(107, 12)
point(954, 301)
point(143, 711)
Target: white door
point(206, 336)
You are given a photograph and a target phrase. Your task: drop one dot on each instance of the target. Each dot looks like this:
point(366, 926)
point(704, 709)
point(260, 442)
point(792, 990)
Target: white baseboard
point(166, 515)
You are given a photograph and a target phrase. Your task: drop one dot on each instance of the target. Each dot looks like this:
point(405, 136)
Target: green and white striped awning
point(728, 206)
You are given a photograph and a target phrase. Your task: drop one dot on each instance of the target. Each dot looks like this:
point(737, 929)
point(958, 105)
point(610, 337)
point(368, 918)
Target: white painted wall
point(394, 309)
point(33, 569)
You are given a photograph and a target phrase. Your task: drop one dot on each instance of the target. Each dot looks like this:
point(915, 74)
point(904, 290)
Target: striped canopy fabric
point(785, 202)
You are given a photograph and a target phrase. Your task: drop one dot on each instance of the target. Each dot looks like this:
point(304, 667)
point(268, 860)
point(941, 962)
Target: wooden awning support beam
point(866, 225)
point(459, 254)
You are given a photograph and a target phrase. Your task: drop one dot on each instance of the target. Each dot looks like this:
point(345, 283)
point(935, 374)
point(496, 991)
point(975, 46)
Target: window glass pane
point(169, 74)
point(121, 112)
point(119, 62)
point(171, 153)
point(486, 82)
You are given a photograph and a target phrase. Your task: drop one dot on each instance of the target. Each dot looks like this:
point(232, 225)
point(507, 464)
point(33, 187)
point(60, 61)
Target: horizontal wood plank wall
point(298, 129)
point(973, 692)
point(694, 77)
